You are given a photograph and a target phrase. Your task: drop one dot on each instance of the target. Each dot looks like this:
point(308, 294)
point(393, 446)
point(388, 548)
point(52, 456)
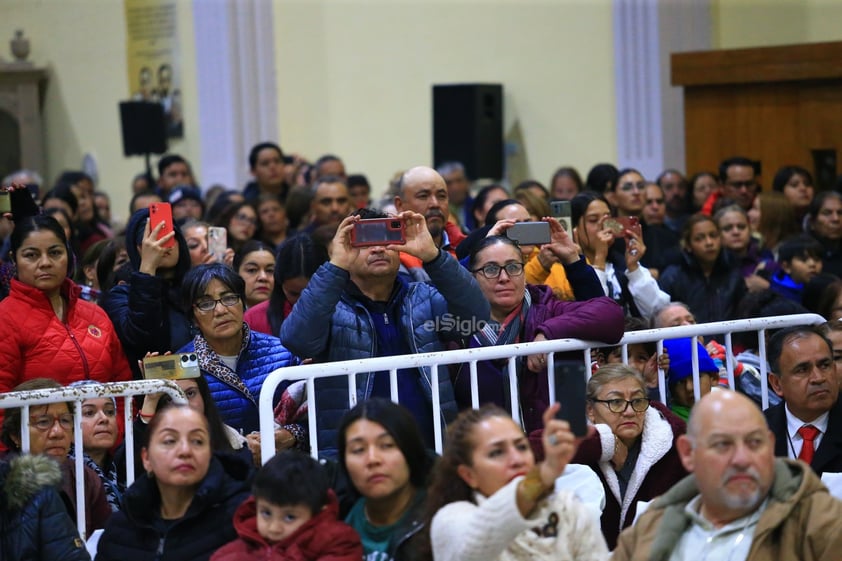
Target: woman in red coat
point(46, 329)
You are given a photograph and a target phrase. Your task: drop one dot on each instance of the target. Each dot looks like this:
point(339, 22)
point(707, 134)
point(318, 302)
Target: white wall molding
point(235, 74)
point(650, 112)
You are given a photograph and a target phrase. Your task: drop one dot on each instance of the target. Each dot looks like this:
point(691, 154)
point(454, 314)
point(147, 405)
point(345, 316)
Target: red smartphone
point(159, 212)
point(620, 224)
point(378, 231)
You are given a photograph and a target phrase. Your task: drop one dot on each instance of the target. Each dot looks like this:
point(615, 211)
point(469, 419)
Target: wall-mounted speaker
point(144, 128)
point(468, 128)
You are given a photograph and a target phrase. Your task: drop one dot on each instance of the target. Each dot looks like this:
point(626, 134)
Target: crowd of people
point(279, 274)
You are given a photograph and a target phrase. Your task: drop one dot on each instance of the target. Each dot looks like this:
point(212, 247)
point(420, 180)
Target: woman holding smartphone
point(146, 312)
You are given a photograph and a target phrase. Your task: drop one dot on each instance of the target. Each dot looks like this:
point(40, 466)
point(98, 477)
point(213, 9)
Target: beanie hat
point(681, 360)
point(183, 192)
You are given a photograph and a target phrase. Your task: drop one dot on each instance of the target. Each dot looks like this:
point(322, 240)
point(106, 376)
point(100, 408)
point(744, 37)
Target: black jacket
point(713, 298)
point(828, 456)
point(34, 524)
point(146, 313)
point(137, 532)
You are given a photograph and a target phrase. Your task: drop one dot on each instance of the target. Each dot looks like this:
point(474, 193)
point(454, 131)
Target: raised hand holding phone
point(162, 213)
point(152, 248)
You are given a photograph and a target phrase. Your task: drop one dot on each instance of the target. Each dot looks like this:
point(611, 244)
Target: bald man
point(421, 189)
point(740, 502)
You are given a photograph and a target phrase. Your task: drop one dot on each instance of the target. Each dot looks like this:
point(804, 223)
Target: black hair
point(762, 303)
point(197, 279)
point(292, 478)
point(801, 246)
point(487, 242)
point(626, 171)
point(601, 178)
point(784, 174)
point(777, 341)
point(369, 213)
point(73, 177)
point(63, 192)
point(580, 203)
point(298, 256)
point(482, 196)
point(257, 148)
point(30, 224)
point(169, 160)
point(358, 179)
point(325, 159)
point(216, 426)
point(491, 216)
point(105, 272)
point(401, 426)
point(249, 247)
point(818, 202)
point(735, 161)
point(140, 195)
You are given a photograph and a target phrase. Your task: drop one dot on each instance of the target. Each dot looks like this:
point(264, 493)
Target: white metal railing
point(76, 395)
point(350, 368)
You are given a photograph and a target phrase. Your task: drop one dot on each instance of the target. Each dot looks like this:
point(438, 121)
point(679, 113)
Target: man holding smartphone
point(371, 311)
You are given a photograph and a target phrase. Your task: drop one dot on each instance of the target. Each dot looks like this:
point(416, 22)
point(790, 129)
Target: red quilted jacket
point(322, 537)
point(34, 343)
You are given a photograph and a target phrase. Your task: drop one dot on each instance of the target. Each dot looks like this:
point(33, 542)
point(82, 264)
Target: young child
point(800, 259)
point(292, 516)
point(682, 395)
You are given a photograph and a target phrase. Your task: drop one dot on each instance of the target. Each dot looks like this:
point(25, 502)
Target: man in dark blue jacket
point(356, 307)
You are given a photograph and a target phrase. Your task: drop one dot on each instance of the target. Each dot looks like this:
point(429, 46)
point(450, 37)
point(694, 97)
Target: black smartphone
point(570, 392)
point(530, 233)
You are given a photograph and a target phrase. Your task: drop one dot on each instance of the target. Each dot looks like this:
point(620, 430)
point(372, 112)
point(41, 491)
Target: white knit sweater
point(493, 528)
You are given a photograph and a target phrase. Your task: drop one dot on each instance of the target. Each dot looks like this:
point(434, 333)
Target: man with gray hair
point(739, 503)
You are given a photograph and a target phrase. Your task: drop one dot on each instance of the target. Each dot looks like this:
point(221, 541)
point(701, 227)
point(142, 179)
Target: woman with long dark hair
point(296, 260)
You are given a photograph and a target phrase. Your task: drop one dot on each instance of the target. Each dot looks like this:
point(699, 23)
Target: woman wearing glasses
point(633, 450)
point(233, 359)
point(50, 435)
point(521, 313)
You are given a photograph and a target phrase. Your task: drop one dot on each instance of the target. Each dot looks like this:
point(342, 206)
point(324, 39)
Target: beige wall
point(355, 77)
point(759, 23)
point(83, 45)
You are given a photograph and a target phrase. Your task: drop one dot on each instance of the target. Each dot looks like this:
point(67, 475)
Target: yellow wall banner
point(152, 58)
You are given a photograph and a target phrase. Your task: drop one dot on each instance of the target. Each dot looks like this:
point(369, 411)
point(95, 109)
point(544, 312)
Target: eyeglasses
point(633, 186)
point(208, 304)
point(638, 404)
point(246, 218)
point(492, 270)
point(45, 422)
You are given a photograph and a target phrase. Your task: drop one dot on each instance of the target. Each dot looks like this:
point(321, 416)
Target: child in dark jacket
point(292, 515)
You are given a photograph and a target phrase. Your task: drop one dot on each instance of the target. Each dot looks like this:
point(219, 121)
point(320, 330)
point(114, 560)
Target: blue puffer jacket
point(431, 313)
point(263, 355)
point(34, 524)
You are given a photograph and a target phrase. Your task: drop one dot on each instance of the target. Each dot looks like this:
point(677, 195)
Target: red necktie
point(809, 434)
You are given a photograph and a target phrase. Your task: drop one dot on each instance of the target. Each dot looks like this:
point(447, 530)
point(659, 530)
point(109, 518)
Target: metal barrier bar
point(391, 364)
point(76, 395)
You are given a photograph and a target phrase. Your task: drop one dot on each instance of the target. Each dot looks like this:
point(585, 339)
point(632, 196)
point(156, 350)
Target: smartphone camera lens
point(396, 225)
point(183, 358)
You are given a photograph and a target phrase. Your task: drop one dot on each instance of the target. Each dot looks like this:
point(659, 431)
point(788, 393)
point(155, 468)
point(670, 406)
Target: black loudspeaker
point(468, 128)
point(144, 128)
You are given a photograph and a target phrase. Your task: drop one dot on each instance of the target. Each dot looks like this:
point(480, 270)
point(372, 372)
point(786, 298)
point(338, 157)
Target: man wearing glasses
point(356, 306)
point(739, 180)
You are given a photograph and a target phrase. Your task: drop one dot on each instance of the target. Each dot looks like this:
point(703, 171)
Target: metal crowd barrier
point(76, 395)
point(350, 368)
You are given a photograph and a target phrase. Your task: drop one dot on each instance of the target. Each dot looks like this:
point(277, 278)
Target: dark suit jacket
point(828, 456)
